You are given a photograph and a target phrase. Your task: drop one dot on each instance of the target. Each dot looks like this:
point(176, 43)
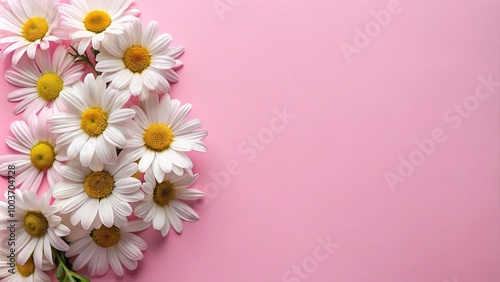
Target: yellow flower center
point(26, 269)
point(34, 29)
point(158, 137)
point(97, 21)
point(137, 58)
point(98, 184)
point(94, 121)
point(163, 193)
point(49, 86)
point(137, 174)
point(42, 155)
point(35, 223)
point(106, 236)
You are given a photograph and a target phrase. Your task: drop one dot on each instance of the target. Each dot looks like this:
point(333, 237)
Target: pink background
point(323, 175)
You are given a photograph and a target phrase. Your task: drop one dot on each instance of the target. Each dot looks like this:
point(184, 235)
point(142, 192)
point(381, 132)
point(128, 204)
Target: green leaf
point(81, 278)
point(64, 272)
point(60, 275)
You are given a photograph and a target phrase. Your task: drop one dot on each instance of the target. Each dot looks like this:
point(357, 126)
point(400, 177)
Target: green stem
point(64, 272)
point(85, 58)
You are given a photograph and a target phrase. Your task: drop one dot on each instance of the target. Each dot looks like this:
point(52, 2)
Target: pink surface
point(321, 175)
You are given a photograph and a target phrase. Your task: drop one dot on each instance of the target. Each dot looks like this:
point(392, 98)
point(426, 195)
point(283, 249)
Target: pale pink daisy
point(26, 272)
point(38, 228)
point(39, 153)
point(42, 80)
point(26, 25)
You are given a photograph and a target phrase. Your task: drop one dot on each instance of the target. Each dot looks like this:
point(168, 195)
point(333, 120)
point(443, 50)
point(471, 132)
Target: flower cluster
point(97, 124)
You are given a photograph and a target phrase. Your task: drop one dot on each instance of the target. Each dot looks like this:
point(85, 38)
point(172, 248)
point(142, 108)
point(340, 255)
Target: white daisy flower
point(94, 124)
point(42, 80)
point(27, 24)
point(39, 153)
point(103, 247)
point(37, 227)
point(12, 271)
point(160, 136)
point(98, 197)
point(140, 61)
point(163, 203)
point(91, 21)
